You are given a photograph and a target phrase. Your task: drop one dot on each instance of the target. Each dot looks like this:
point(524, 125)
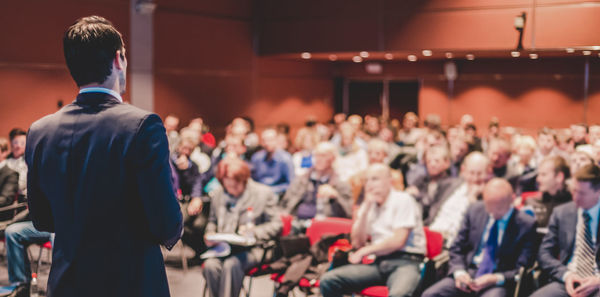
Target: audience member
point(459, 149)
point(424, 181)
point(352, 155)
point(579, 132)
point(494, 242)
point(546, 144)
point(499, 153)
point(171, 125)
point(306, 140)
point(454, 196)
point(552, 175)
point(319, 192)
point(272, 166)
point(9, 179)
point(230, 208)
point(568, 254)
point(392, 221)
point(16, 159)
point(410, 133)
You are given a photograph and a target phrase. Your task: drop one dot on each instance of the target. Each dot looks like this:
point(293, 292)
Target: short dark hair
point(16, 132)
point(559, 164)
point(89, 47)
point(589, 173)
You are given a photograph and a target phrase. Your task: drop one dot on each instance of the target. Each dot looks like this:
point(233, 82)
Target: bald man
point(494, 242)
point(392, 221)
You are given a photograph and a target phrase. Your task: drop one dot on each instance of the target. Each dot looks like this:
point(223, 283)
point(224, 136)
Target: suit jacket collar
point(95, 99)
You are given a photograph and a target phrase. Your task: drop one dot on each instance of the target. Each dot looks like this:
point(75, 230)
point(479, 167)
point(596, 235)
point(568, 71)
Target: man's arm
point(272, 225)
point(39, 205)
point(459, 249)
point(526, 257)
point(388, 246)
point(359, 233)
point(9, 188)
point(153, 176)
point(550, 250)
point(342, 202)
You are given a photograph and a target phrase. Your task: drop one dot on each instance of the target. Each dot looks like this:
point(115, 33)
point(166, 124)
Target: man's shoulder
point(401, 199)
point(564, 209)
point(525, 220)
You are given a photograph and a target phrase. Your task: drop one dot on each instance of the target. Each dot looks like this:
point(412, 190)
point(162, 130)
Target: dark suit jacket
point(9, 185)
point(99, 178)
point(516, 250)
point(559, 243)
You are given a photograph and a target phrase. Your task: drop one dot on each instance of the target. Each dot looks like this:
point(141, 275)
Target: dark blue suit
point(99, 177)
point(516, 250)
point(557, 248)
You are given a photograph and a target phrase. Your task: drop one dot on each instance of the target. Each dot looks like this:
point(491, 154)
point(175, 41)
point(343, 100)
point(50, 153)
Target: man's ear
point(119, 61)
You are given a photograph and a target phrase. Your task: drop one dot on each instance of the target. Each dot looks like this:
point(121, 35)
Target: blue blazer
point(99, 177)
point(559, 243)
point(516, 250)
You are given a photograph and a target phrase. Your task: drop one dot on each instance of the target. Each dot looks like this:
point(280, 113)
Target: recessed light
point(305, 55)
point(449, 55)
point(357, 59)
point(533, 56)
point(333, 57)
point(515, 54)
point(427, 53)
point(596, 47)
point(587, 53)
point(470, 57)
point(570, 50)
point(364, 54)
point(388, 56)
point(412, 58)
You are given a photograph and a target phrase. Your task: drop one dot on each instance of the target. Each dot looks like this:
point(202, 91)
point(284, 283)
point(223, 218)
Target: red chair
point(435, 242)
point(528, 195)
point(317, 229)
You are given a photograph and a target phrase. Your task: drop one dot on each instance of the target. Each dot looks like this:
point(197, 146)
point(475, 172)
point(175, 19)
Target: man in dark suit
point(494, 242)
point(99, 177)
point(569, 252)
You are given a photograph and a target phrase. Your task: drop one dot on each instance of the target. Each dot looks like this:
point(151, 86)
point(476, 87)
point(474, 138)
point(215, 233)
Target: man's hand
point(484, 281)
point(412, 190)
point(208, 242)
point(326, 191)
point(462, 282)
point(586, 286)
point(195, 206)
point(356, 257)
point(182, 162)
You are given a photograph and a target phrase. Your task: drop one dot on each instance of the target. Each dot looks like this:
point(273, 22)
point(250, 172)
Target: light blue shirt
point(101, 90)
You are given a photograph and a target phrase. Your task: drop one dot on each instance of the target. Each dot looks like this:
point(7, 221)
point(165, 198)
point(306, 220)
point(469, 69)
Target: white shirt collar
point(101, 90)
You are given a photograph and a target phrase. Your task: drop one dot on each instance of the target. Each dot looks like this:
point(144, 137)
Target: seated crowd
point(504, 202)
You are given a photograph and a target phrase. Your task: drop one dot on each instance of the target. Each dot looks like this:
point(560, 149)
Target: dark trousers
point(447, 288)
point(553, 289)
point(193, 228)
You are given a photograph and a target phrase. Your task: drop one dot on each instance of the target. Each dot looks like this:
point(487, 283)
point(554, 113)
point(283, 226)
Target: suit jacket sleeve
point(342, 203)
point(9, 188)
point(548, 255)
point(39, 205)
point(271, 227)
point(153, 175)
point(461, 247)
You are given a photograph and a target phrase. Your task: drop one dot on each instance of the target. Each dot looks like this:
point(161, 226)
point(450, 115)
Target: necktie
point(489, 257)
point(584, 249)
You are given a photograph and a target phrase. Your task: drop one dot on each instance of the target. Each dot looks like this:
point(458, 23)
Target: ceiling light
point(596, 47)
point(388, 56)
point(449, 55)
point(357, 59)
point(515, 54)
point(570, 50)
point(333, 57)
point(533, 56)
point(412, 58)
point(470, 57)
point(587, 53)
point(305, 55)
point(427, 53)
point(364, 54)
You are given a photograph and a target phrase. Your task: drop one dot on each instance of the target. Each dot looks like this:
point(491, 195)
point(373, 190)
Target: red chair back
point(528, 195)
point(286, 220)
point(435, 242)
point(327, 226)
